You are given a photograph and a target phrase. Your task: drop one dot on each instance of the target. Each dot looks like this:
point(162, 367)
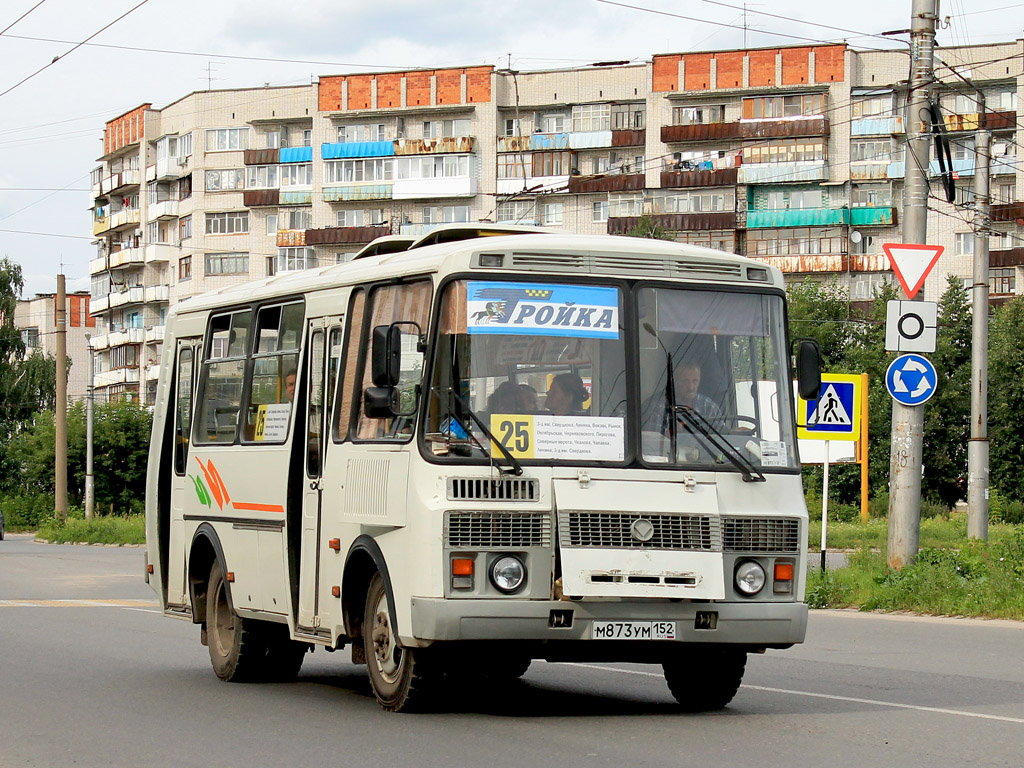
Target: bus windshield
point(541, 365)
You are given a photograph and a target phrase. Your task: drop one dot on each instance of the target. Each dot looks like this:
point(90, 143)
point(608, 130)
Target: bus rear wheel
point(706, 679)
point(246, 650)
point(401, 677)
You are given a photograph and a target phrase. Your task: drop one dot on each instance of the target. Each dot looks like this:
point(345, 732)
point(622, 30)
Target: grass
point(130, 529)
point(935, 532)
point(957, 577)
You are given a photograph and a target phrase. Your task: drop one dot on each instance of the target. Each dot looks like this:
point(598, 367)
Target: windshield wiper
point(464, 410)
point(693, 420)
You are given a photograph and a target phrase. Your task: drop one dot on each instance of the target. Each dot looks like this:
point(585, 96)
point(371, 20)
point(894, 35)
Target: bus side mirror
point(385, 356)
point(808, 369)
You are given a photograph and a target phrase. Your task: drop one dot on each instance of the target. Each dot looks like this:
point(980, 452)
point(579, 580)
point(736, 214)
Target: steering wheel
point(745, 420)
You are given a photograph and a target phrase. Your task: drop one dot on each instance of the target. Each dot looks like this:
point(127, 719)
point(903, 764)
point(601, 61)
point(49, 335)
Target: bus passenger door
point(184, 378)
point(323, 360)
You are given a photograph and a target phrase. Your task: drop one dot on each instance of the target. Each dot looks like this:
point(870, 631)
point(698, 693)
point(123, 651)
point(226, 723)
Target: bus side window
point(183, 409)
point(223, 371)
point(274, 373)
point(343, 414)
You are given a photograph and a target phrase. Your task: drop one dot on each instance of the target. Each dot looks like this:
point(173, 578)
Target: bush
point(130, 529)
point(1002, 510)
point(26, 512)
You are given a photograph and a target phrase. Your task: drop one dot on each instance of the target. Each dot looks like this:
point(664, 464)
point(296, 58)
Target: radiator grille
point(615, 529)
point(760, 534)
point(493, 489)
point(496, 530)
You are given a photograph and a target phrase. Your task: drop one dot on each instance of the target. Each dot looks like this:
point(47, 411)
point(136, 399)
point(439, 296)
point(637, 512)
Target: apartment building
point(791, 155)
point(36, 321)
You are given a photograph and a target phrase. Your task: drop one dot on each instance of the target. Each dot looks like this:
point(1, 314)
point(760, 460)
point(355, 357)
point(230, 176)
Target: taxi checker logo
point(642, 530)
point(542, 309)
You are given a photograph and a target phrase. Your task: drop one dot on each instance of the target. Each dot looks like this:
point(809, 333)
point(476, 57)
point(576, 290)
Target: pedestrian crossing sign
point(835, 415)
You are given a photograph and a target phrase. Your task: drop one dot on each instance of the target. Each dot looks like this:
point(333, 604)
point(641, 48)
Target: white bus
point(482, 451)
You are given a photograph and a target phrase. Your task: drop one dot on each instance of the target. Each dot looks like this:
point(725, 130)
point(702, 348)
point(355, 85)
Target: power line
point(41, 189)
point(803, 21)
point(74, 48)
point(46, 234)
point(26, 13)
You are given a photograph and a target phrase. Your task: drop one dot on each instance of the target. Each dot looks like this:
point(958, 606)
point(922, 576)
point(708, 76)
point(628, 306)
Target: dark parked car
point(1, 526)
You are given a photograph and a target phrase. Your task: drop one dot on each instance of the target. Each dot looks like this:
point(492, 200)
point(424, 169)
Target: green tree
point(646, 227)
point(1006, 399)
point(948, 413)
point(821, 311)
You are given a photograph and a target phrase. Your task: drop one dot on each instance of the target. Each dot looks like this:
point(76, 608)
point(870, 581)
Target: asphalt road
point(91, 675)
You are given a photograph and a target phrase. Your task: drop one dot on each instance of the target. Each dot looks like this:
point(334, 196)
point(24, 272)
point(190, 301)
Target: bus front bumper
point(766, 625)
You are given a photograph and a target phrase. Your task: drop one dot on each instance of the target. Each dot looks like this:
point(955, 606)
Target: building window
point(30, 337)
point(262, 177)
point(271, 224)
point(351, 218)
point(1004, 193)
point(230, 223)
point(871, 196)
point(1002, 281)
point(1002, 100)
point(665, 201)
point(719, 239)
point(369, 132)
point(552, 213)
point(628, 117)
point(964, 243)
point(785, 151)
point(446, 214)
point(433, 167)
point(599, 210)
point(784, 106)
point(296, 175)
point(591, 117)
point(436, 129)
point(517, 212)
point(512, 127)
point(873, 106)
point(184, 228)
point(223, 139)
point(344, 171)
point(795, 242)
point(294, 259)
point(227, 264)
point(124, 356)
point(553, 163)
point(184, 269)
point(295, 218)
point(515, 165)
point(552, 122)
point(225, 179)
point(273, 139)
point(698, 115)
point(874, 151)
point(625, 205)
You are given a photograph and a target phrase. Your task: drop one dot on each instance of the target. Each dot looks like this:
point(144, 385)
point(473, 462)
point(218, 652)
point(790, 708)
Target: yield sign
point(912, 263)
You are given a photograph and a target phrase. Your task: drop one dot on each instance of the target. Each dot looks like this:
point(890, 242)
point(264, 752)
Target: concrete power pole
point(977, 447)
point(908, 421)
point(90, 488)
point(60, 501)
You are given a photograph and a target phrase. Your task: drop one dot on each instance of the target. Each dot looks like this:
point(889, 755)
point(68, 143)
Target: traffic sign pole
point(824, 508)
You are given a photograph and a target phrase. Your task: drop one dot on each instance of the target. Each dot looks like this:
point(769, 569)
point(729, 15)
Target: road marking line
point(71, 603)
point(833, 697)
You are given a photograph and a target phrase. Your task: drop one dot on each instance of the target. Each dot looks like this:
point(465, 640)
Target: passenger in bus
point(566, 395)
point(505, 399)
point(528, 397)
point(289, 385)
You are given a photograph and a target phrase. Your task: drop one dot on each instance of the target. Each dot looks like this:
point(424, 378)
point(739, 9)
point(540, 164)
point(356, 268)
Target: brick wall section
point(697, 71)
point(762, 68)
point(123, 130)
point(796, 65)
point(666, 72)
point(389, 90)
point(478, 84)
point(78, 311)
point(417, 88)
point(730, 69)
point(360, 92)
point(828, 64)
point(449, 86)
point(329, 94)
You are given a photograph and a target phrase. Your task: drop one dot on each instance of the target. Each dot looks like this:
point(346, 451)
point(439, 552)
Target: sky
point(51, 125)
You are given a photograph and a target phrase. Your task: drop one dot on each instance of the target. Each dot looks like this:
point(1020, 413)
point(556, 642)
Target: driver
point(687, 377)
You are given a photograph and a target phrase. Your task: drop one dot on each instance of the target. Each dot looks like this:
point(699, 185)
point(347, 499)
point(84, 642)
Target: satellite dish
point(855, 236)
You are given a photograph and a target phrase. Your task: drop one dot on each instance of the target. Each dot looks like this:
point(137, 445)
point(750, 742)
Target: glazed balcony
point(344, 235)
point(803, 264)
point(614, 182)
point(347, 192)
point(446, 144)
point(254, 198)
point(746, 129)
point(676, 222)
point(1008, 212)
point(723, 177)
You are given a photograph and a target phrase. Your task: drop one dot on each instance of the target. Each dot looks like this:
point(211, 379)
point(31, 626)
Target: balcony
point(172, 168)
point(869, 171)
point(834, 262)
point(261, 156)
point(98, 304)
point(121, 181)
point(158, 292)
point(700, 132)
point(993, 121)
point(155, 334)
point(629, 138)
point(126, 217)
point(296, 197)
point(100, 224)
point(873, 217)
point(723, 177)
point(165, 209)
point(1007, 212)
point(99, 343)
point(1007, 257)
point(412, 189)
point(153, 372)
point(133, 295)
point(613, 182)
point(254, 198)
point(1005, 164)
point(533, 184)
point(539, 142)
point(126, 257)
point(345, 149)
point(342, 235)
point(125, 336)
point(876, 126)
point(98, 265)
point(288, 238)
point(782, 128)
point(782, 173)
point(116, 376)
point(295, 154)
point(676, 222)
point(445, 144)
point(357, 192)
point(156, 253)
point(803, 217)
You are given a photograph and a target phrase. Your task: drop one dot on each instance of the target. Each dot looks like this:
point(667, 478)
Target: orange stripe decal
point(214, 487)
point(216, 476)
point(258, 507)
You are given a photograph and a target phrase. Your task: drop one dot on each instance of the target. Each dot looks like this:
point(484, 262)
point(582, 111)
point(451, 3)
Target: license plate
point(634, 630)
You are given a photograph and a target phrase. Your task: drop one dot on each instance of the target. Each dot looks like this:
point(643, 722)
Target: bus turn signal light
point(335, 544)
point(783, 571)
point(462, 573)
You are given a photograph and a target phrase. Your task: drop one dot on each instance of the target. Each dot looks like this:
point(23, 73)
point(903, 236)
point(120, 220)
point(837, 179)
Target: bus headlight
point(508, 573)
point(750, 577)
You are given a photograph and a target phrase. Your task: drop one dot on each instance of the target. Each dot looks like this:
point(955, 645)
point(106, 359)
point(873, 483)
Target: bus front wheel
point(400, 677)
point(706, 679)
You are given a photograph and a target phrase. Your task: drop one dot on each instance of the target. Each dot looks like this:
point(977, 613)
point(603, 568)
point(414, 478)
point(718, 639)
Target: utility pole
point(90, 498)
point(60, 501)
point(908, 421)
point(977, 447)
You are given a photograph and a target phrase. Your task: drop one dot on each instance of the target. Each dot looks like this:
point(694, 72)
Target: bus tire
point(238, 649)
point(400, 677)
point(706, 679)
